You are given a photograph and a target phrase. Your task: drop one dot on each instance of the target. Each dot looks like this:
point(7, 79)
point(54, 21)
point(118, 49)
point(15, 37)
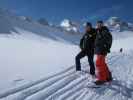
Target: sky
point(77, 10)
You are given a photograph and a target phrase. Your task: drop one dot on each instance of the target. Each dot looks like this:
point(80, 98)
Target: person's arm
point(105, 30)
point(94, 34)
point(107, 37)
point(81, 42)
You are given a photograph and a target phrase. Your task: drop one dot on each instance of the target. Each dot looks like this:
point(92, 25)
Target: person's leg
point(108, 72)
point(77, 60)
point(91, 63)
point(102, 68)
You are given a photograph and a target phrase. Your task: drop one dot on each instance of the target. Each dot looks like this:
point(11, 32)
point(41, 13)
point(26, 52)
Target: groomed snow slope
point(25, 61)
point(68, 85)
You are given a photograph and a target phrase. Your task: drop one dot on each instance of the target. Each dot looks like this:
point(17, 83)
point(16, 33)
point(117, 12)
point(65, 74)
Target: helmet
point(88, 24)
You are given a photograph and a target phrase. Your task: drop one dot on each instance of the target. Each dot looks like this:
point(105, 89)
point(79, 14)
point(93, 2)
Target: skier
point(102, 47)
point(87, 44)
point(121, 50)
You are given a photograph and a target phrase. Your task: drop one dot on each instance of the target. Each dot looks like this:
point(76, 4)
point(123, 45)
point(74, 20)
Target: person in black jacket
point(103, 44)
point(103, 41)
point(87, 44)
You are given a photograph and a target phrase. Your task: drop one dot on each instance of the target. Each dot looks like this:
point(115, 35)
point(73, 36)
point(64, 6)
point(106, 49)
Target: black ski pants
point(90, 60)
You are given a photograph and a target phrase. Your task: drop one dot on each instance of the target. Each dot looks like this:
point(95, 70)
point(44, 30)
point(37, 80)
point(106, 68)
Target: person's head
point(88, 26)
point(100, 24)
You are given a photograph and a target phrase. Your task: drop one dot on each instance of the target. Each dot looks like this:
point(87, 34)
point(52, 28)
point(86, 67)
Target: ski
point(93, 85)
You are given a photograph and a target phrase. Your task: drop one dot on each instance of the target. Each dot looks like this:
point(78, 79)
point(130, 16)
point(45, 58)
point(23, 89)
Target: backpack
point(108, 39)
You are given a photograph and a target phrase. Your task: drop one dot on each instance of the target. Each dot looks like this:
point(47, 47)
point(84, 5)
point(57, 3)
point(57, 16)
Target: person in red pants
point(103, 44)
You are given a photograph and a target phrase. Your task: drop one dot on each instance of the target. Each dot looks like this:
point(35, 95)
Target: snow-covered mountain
point(26, 18)
point(117, 24)
point(38, 63)
point(11, 23)
point(43, 21)
point(70, 26)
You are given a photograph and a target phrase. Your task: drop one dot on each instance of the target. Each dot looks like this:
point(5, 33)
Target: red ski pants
point(102, 68)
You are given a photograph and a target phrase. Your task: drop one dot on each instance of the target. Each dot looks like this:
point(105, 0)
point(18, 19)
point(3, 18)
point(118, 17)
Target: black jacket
point(103, 41)
point(87, 42)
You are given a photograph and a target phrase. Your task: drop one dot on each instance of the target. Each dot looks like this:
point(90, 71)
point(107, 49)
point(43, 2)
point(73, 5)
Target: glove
point(107, 48)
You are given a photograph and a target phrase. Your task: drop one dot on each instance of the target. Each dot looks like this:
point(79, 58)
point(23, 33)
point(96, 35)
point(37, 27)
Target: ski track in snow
point(69, 85)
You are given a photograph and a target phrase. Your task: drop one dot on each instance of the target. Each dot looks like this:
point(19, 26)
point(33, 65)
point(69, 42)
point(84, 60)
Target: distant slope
point(10, 23)
point(13, 24)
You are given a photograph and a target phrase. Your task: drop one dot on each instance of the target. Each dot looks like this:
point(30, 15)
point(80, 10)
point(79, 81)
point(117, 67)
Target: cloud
point(105, 12)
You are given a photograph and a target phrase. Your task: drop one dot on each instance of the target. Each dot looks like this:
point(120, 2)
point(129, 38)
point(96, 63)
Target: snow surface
point(37, 63)
point(31, 59)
